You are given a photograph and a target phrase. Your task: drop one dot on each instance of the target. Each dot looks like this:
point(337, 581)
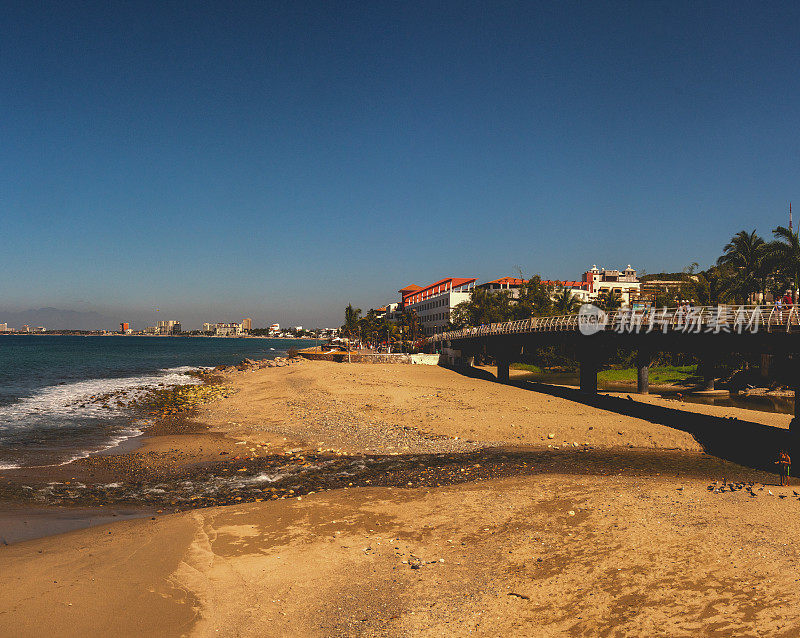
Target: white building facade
point(601, 281)
point(434, 304)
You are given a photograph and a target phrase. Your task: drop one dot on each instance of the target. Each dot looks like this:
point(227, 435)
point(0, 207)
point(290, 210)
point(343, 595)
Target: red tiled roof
point(409, 288)
point(444, 284)
point(511, 281)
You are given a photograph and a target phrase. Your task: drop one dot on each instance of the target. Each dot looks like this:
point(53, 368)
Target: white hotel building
point(434, 304)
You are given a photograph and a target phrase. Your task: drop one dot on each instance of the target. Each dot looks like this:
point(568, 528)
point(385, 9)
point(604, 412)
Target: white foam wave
point(113, 442)
point(78, 404)
point(92, 398)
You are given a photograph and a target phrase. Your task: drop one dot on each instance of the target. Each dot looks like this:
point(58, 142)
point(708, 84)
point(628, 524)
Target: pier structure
point(592, 335)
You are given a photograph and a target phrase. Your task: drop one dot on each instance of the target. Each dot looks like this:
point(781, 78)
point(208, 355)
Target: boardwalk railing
point(686, 319)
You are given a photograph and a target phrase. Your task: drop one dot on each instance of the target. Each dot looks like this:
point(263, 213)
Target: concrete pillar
point(588, 372)
point(709, 366)
point(503, 370)
point(766, 359)
point(643, 360)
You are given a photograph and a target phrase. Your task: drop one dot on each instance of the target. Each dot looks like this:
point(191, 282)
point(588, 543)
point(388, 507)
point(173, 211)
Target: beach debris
point(516, 595)
point(414, 561)
point(551, 435)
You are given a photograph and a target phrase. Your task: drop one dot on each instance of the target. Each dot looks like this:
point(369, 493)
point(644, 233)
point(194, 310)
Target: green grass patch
point(528, 367)
point(658, 374)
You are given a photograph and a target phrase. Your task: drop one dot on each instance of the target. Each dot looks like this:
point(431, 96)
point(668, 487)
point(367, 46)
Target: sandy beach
point(405, 500)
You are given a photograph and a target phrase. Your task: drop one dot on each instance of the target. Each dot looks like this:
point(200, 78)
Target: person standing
point(784, 464)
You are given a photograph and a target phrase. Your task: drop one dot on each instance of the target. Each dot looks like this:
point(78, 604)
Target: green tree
point(483, 307)
point(784, 256)
point(351, 319)
point(368, 327)
point(611, 300)
point(746, 255)
point(566, 303)
point(535, 300)
point(410, 326)
point(388, 331)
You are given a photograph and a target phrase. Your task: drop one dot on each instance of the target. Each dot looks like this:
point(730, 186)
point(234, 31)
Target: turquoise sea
point(47, 415)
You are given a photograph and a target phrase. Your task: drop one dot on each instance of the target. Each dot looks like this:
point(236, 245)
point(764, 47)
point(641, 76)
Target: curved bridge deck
point(706, 331)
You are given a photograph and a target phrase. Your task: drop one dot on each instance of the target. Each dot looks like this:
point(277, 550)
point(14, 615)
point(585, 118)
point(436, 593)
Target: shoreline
point(226, 461)
point(414, 500)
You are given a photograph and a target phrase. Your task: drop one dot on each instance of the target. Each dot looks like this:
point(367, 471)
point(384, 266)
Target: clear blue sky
point(277, 160)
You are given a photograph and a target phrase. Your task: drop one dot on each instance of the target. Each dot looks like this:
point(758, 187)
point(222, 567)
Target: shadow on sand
point(746, 443)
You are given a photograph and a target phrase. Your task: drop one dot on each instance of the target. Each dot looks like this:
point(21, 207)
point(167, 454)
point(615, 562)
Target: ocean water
point(47, 415)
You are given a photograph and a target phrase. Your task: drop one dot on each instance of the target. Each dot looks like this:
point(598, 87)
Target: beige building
point(171, 327)
point(601, 281)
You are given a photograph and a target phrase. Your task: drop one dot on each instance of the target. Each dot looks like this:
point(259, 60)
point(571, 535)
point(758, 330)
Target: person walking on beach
point(784, 464)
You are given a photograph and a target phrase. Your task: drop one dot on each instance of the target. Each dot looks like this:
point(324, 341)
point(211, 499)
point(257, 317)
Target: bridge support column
point(766, 359)
point(643, 359)
point(589, 365)
point(503, 366)
point(709, 366)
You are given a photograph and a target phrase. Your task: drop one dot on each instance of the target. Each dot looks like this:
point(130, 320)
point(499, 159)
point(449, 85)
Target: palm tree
point(566, 303)
point(389, 330)
point(784, 255)
point(533, 301)
point(368, 327)
point(611, 300)
point(351, 318)
point(410, 324)
point(746, 253)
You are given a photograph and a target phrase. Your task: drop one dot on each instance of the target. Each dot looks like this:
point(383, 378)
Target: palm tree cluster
point(751, 268)
point(533, 300)
point(374, 329)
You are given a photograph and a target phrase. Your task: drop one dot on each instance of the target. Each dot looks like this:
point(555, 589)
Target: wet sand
point(21, 523)
point(552, 516)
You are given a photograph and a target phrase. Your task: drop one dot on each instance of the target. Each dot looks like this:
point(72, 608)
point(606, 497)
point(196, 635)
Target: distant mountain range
point(58, 319)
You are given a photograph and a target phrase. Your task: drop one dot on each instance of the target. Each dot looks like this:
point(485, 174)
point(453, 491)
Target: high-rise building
point(168, 327)
point(3, 327)
point(124, 327)
point(247, 325)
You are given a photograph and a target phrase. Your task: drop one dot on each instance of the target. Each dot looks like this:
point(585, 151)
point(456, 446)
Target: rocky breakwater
point(248, 365)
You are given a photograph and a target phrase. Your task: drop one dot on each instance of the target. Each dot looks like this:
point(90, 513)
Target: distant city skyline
point(277, 161)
